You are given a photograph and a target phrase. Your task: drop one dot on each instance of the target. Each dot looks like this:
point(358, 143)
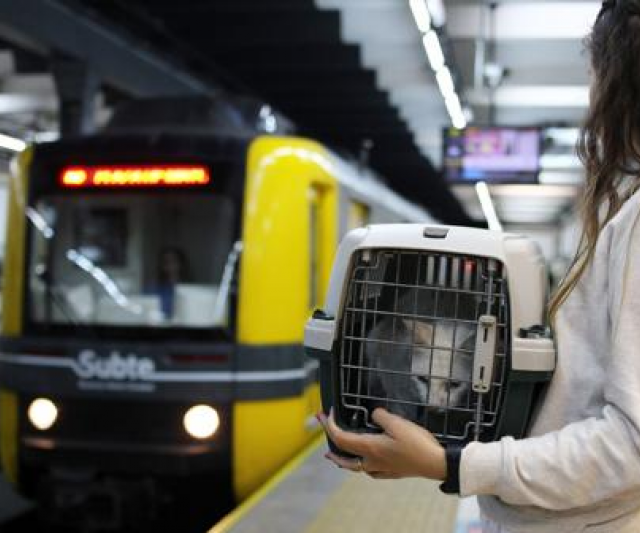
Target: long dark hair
point(183, 265)
point(609, 144)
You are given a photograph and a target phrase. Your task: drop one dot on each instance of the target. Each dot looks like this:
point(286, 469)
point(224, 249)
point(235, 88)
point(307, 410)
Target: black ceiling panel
point(330, 57)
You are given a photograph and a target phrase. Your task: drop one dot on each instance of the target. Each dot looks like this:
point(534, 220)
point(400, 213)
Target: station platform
point(11, 504)
point(309, 495)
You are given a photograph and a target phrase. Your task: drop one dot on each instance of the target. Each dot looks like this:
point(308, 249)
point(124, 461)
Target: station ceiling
point(291, 54)
point(344, 71)
point(540, 48)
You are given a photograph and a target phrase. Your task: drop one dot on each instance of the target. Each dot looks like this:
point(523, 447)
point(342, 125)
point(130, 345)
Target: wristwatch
point(453, 454)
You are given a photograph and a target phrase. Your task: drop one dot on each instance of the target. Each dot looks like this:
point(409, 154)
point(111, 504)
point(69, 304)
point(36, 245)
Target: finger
point(361, 464)
point(383, 475)
point(355, 465)
point(386, 420)
point(349, 442)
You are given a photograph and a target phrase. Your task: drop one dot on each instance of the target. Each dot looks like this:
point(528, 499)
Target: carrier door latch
point(483, 359)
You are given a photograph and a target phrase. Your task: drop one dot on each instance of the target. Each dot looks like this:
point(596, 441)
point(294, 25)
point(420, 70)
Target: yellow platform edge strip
point(252, 501)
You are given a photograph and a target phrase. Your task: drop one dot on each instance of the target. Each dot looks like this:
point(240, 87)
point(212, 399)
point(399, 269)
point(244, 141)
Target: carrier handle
point(484, 356)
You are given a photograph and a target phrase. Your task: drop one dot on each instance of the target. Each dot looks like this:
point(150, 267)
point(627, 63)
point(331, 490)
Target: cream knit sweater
point(580, 468)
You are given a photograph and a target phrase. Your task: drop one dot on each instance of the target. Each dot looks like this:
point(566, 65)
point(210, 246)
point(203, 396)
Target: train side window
point(358, 216)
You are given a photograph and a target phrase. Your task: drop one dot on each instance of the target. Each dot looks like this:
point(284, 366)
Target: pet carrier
point(440, 325)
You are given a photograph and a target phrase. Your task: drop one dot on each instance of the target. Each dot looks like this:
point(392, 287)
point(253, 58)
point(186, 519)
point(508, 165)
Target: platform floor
point(312, 496)
point(11, 505)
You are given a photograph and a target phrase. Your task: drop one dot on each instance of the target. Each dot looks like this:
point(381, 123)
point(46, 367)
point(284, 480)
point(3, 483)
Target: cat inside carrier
point(439, 325)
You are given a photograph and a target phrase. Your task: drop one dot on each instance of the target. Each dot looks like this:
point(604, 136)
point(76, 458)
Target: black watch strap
point(451, 485)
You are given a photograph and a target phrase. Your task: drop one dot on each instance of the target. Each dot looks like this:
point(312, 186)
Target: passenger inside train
point(173, 269)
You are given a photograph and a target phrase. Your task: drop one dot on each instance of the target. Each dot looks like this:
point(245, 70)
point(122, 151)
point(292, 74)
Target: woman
point(579, 469)
point(173, 269)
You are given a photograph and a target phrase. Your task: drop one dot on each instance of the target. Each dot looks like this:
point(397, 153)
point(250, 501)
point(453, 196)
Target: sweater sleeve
point(585, 462)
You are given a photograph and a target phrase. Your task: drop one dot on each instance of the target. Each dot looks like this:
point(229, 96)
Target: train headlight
point(201, 421)
point(42, 413)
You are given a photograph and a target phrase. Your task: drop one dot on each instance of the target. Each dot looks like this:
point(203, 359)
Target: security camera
point(494, 74)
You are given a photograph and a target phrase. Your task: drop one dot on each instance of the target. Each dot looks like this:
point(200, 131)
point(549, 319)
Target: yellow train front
point(156, 289)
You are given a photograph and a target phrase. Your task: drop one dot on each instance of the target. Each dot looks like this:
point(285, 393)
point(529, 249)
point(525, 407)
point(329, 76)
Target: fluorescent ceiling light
point(453, 104)
point(455, 112)
point(421, 15)
point(563, 136)
point(458, 122)
point(543, 192)
point(438, 15)
point(488, 208)
point(560, 162)
point(525, 20)
point(434, 50)
point(556, 178)
point(573, 96)
point(468, 114)
point(45, 136)
point(12, 143)
point(445, 82)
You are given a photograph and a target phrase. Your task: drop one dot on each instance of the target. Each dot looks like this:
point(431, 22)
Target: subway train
point(158, 277)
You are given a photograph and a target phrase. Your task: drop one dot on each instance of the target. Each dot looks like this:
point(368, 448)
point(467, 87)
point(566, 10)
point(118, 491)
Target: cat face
point(429, 371)
point(439, 372)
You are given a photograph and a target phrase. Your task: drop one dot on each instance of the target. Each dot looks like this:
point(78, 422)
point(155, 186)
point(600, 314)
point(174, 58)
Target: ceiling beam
point(346, 102)
point(326, 117)
point(283, 92)
point(311, 56)
point(241, 30)
point(267, 78)
point(117, 59)
point(355, 108)
point(249, 7)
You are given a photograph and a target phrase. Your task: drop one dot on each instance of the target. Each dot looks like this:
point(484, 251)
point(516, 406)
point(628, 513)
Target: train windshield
point(125, 259)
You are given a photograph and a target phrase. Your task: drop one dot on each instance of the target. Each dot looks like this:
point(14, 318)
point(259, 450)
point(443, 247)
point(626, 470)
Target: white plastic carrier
point(440, 324)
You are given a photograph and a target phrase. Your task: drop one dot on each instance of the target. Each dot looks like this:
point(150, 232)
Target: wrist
point(434, 463)
point(453, 456)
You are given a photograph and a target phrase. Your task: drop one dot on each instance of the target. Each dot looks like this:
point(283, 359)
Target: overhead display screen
point(134, 176)
point(495, 155)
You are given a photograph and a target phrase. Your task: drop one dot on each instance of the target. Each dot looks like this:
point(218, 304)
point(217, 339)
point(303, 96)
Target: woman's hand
point(403, 450)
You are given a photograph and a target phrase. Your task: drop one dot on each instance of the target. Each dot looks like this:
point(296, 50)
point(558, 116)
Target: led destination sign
point(134, 176)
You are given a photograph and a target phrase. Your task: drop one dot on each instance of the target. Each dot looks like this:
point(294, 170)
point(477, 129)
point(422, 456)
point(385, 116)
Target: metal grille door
point(426, 336)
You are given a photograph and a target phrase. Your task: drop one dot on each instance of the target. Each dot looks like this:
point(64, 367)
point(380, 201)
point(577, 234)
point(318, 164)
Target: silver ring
point(360, 465)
